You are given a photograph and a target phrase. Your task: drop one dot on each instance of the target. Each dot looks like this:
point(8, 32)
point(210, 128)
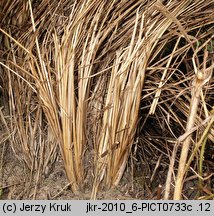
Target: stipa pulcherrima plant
point(84, 65)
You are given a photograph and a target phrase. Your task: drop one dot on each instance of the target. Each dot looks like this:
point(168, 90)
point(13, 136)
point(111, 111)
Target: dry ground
point(16, 184)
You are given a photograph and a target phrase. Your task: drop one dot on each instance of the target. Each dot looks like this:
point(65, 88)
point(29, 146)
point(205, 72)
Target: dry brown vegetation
point(109, 86)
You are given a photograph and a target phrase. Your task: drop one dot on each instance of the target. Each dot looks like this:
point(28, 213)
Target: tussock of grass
point(80, 74)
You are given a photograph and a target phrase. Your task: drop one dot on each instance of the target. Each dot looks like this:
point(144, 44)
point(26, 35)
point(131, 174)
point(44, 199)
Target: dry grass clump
point(80, 74)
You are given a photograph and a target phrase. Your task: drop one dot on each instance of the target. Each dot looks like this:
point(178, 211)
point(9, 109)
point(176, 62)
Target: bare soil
point(16, 182)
